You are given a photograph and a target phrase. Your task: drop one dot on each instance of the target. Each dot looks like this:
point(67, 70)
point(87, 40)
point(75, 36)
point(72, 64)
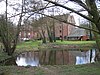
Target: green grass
point(88, 69)
point(28, 44)
point(14, 70)
point(34, 44)
point(76, 42)
point(58, 45)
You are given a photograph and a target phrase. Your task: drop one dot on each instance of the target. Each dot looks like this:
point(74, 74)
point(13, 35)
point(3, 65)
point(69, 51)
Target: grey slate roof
point(77, 32)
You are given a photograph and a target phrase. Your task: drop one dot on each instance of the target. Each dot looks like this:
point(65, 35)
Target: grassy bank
point(89, 69)
point(28, 45)
point(69, 45)
point(75, 42)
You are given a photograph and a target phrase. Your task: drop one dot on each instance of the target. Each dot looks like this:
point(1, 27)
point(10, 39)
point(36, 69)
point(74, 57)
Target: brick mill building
point(26, 32)
point(62, 30)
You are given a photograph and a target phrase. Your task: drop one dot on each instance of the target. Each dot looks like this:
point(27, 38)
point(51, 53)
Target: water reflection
point(27, 58)
point(59, 57)
point(85, 57)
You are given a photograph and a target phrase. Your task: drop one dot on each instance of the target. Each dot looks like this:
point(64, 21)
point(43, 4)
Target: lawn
point(88, 69)
point(28, 44)
point(58, 45)
point(75, 42)
point(31, 44)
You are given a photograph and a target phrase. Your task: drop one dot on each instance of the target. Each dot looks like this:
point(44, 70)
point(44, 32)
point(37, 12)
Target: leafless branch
point(64, 21)
point(32, 11)
point(57, 4)
point(82, 5)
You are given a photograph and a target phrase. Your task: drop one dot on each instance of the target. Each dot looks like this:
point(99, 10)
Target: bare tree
point(8, 38)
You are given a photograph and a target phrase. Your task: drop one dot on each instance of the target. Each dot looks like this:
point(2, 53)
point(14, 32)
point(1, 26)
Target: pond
point(55, 57)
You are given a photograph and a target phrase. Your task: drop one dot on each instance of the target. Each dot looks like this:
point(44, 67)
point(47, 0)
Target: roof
point(77, 32)
point(64, 16)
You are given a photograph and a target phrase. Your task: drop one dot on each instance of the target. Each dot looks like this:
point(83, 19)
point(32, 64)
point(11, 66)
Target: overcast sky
point(11, 11)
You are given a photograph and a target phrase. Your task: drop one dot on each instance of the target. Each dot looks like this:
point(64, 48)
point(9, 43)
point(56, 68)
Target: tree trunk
point(96, 24)
point(62, 38)
point(97, 38)
point(49, 34)
point(54, 37)
point(43, 34)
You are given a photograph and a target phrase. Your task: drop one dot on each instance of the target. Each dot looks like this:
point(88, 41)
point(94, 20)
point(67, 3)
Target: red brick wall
point(26, 32)
point(63, 28)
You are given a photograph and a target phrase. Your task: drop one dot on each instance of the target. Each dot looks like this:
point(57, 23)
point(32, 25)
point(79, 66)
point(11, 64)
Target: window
point(60, 31)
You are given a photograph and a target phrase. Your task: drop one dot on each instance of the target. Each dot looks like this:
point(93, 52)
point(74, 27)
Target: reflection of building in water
point(65, 57)
point(55, 57)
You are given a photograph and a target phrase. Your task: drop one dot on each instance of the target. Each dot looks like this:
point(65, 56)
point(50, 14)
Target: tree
point(50, 29)
point(88, 5)
point(92, 9)
point(8, 37)
point(40, 27)
point(7, 33)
